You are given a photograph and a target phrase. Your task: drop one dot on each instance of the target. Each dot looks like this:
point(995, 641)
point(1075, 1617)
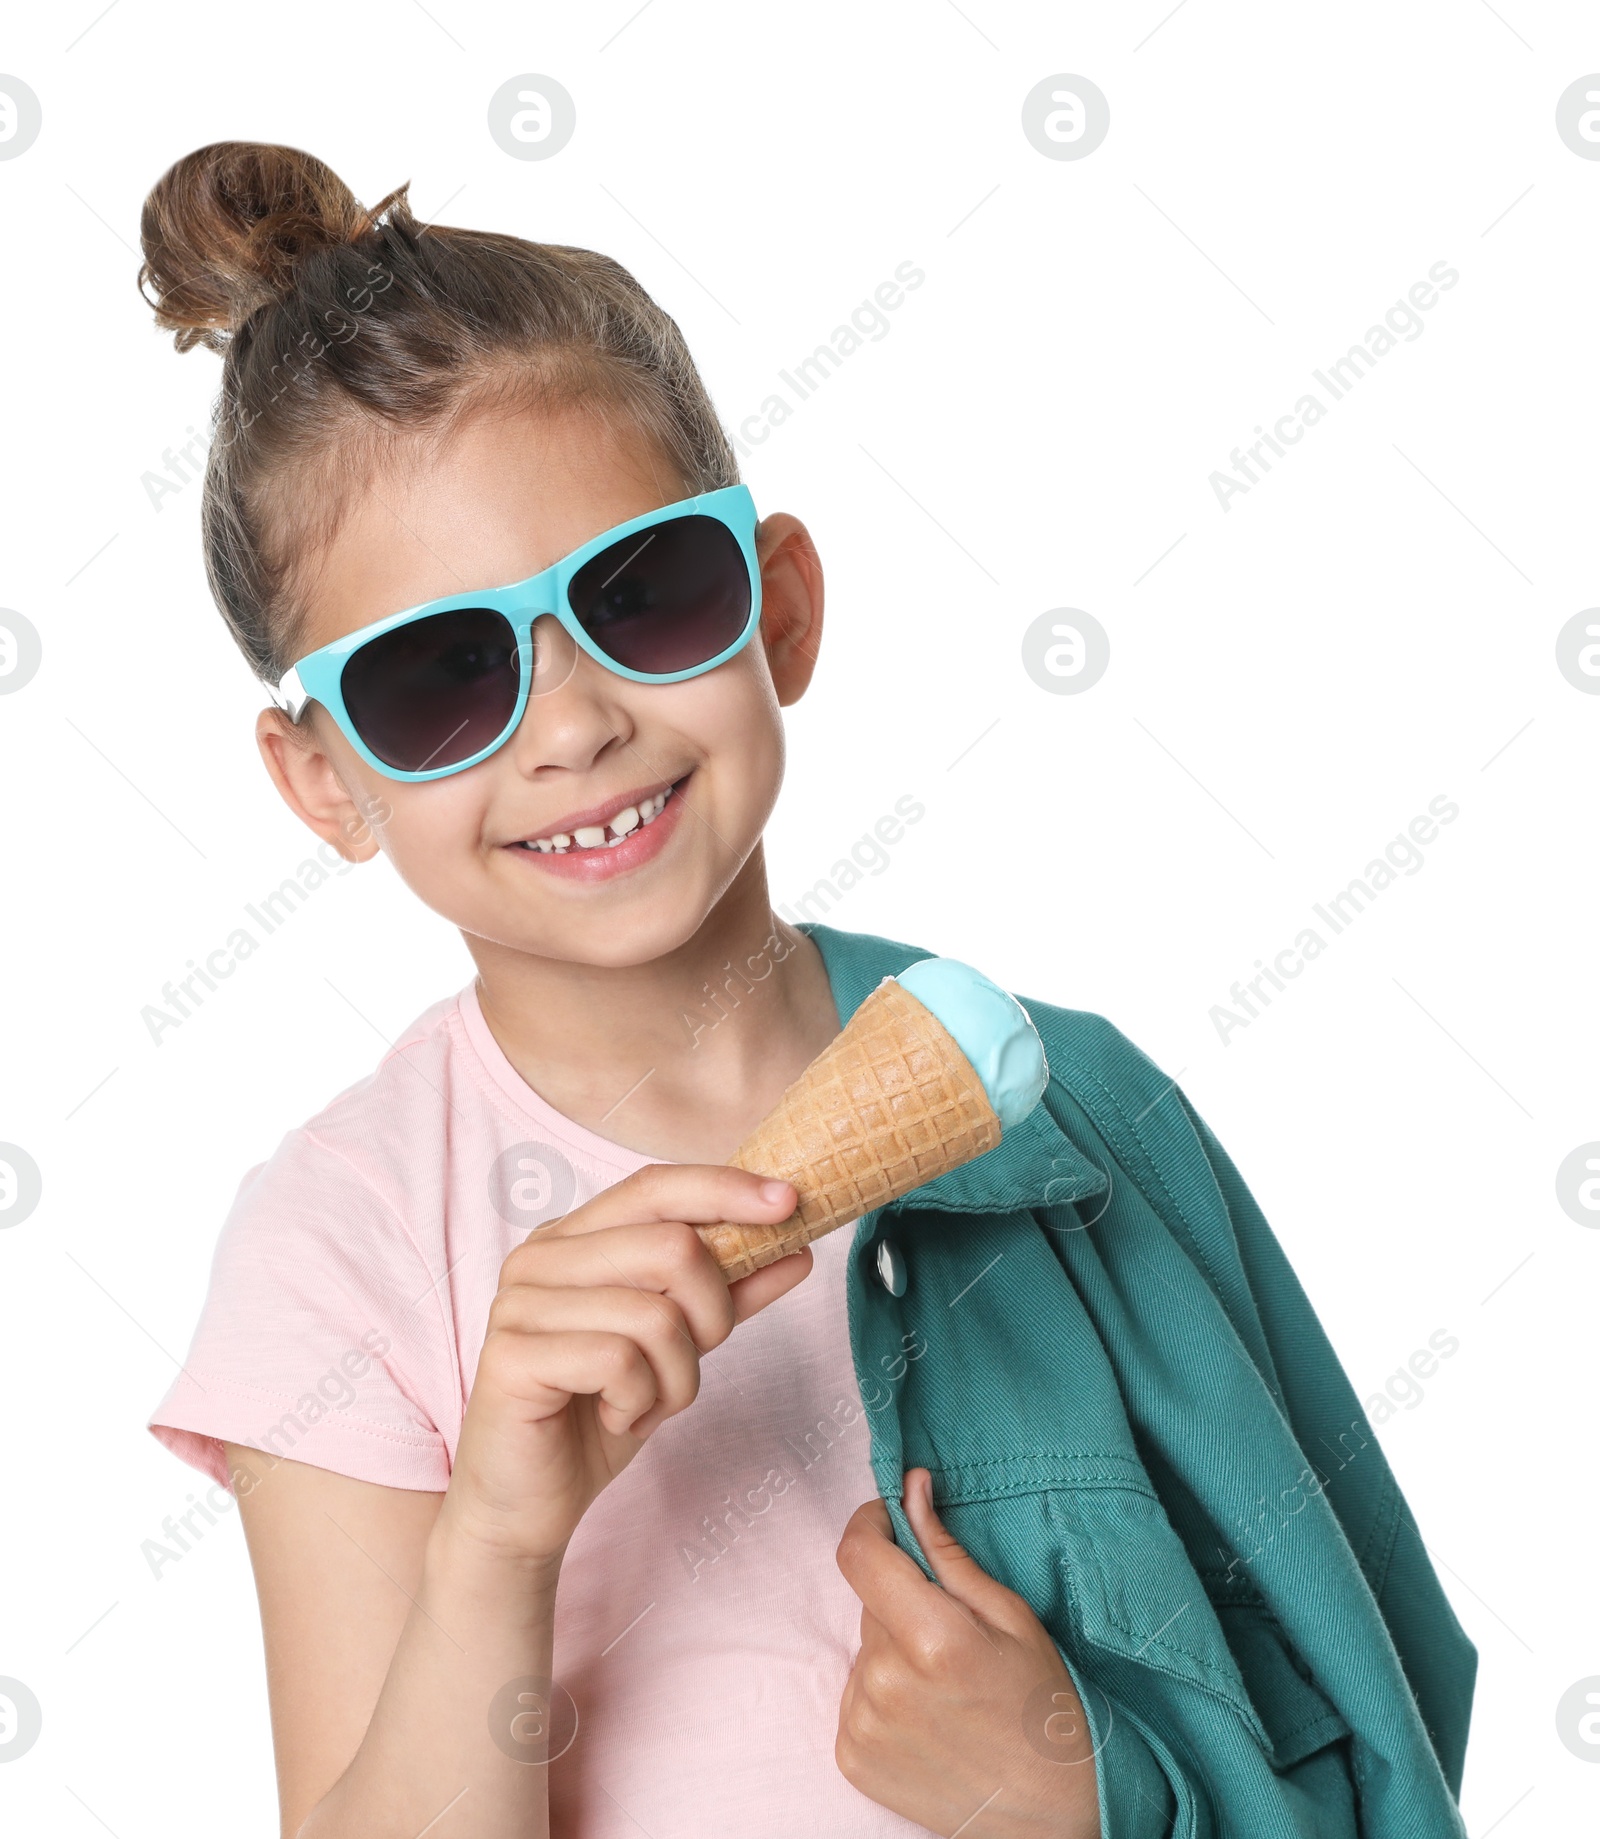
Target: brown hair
point(344, 332)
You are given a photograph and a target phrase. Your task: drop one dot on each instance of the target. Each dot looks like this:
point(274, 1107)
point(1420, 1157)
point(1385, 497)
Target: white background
point(1372, 625)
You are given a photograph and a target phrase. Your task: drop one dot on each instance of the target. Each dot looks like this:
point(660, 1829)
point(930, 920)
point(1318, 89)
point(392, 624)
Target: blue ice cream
point(990, 1027)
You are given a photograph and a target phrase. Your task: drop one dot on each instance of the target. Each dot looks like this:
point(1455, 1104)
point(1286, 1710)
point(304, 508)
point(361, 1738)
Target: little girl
point(553, 1529)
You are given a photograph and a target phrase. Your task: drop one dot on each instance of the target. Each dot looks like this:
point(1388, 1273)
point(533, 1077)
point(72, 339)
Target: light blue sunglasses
point(439, 687)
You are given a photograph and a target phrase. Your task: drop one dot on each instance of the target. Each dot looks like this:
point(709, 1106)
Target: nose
point(565, 731)
point(555, 656)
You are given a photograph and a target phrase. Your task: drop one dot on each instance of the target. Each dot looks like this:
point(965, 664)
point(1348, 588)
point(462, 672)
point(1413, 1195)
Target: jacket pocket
point(1294, 1711)
point(1135, 1594)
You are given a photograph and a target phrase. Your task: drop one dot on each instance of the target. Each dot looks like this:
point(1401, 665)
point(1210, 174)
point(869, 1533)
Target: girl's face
point(507, 496)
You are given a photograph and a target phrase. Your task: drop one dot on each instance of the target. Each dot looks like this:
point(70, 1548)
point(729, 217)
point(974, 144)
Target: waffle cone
point(890, 1103)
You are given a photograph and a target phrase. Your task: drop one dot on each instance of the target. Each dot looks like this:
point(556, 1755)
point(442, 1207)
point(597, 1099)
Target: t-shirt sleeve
point(323, 1335)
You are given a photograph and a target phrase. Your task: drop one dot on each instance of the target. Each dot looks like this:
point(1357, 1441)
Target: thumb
point(960, 1574)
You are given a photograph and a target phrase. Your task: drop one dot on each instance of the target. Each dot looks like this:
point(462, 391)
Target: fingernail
point(774, 1190)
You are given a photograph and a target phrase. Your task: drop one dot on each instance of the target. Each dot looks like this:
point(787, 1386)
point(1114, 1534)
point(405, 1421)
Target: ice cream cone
point(889, 1104)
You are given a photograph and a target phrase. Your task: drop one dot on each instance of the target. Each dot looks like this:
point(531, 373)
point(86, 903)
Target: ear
point(313, 787)
point(791, 602)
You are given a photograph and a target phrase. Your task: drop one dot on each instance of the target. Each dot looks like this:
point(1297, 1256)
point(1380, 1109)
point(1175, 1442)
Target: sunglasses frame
point(317, 676)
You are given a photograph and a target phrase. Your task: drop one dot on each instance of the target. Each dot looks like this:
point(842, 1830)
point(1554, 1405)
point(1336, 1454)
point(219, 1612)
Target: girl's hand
point(594, 1338)
point(949, 1683)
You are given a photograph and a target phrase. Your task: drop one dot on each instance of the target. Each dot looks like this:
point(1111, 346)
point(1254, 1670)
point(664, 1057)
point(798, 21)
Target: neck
point(679, 1057)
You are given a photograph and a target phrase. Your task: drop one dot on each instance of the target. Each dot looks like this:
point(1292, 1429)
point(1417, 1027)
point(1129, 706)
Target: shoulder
point(406, 1092)
point(399, 1085)
point(354, 1159)
point(1104, 1083)
point(1091, 1056)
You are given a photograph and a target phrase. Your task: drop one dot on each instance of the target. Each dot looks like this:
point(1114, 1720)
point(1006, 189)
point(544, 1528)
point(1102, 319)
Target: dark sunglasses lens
point(667, 598)
point(434, 692)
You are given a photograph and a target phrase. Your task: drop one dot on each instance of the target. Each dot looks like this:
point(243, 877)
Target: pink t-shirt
point(702, 1627)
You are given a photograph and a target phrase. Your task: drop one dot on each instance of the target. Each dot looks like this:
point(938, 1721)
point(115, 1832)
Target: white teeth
point(593, 836)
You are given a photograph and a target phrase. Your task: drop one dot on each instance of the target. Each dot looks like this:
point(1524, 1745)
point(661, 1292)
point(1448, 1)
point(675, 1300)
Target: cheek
point(732, 714)
point(430, 829)
point(742, 739)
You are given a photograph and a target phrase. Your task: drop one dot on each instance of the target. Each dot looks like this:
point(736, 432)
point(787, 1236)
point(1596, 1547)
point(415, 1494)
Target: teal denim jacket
point(1134, 1420)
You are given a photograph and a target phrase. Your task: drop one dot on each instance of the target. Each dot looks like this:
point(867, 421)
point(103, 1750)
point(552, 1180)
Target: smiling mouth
point(614, 831)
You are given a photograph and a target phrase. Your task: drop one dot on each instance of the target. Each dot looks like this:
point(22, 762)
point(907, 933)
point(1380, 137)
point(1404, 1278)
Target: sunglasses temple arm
point(289, 694)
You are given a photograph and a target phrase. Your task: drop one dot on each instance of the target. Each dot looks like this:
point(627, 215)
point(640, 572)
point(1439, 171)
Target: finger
point(874, 1513)
point(542, 1372)
point(753, 1293)
point(668, 1258)
point(872, 1643)
point(655, 1325)
point(701, 1192)
point(957, 1571)
point(875, 1637)
point(889, 1581)
point(920, 1617)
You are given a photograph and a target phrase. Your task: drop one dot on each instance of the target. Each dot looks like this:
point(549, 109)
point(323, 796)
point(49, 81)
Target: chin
point(660, 927)
point(622, 934)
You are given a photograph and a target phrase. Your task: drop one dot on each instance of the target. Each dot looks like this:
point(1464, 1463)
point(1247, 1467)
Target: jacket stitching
point(1380, 1517)
point(1392, 1509)
point(1132, 1136)
point(1009, 1488)
point(1040, 1455)
point(1332, 1718)
point(1230, 1684)
point(1223, 1669)
point(1152, 1168)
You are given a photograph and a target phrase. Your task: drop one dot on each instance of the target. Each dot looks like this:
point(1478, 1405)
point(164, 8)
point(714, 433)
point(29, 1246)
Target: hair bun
point(225, 227)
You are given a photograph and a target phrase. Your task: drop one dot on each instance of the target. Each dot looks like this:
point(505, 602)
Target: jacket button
point(891, 1267)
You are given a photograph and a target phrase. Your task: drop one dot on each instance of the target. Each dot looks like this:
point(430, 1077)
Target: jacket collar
point(1035, 1164)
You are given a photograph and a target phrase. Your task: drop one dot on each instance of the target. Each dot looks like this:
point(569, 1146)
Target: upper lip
point(594, 816)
